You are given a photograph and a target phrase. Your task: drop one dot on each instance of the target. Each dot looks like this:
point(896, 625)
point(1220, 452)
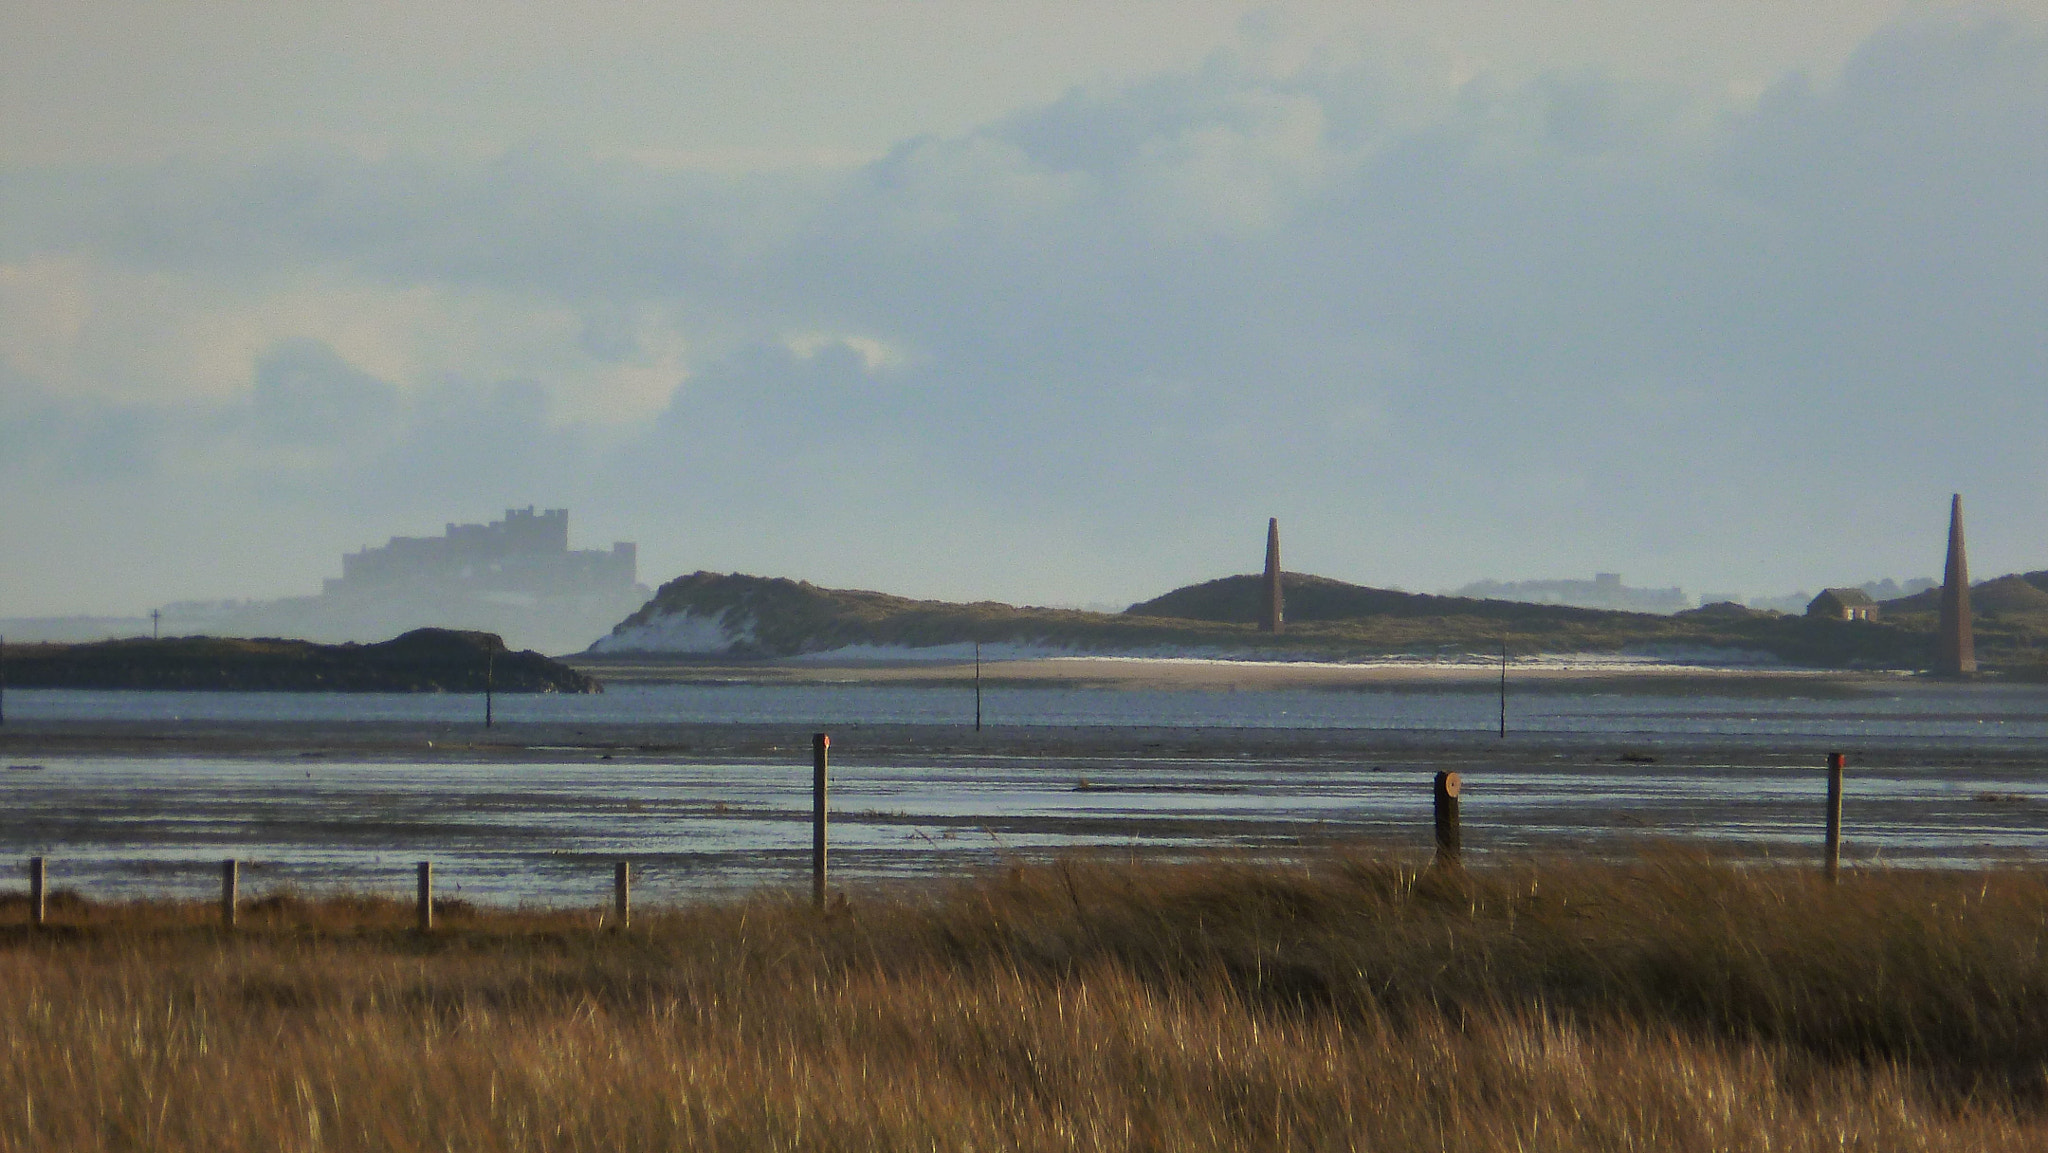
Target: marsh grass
point(1349, 1001)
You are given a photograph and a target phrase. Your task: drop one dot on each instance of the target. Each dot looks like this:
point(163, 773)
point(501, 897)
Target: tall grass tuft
point(1348, 1001)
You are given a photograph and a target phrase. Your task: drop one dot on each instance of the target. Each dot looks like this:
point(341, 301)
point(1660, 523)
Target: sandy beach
point(1566, 672)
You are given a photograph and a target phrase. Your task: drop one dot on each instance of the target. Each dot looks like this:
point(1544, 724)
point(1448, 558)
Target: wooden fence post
point(38, 879)
point(622, 893)
point(426, 899)
point(1449, 843)
point(1833, 849)
point(230, 883)
point(819, 743)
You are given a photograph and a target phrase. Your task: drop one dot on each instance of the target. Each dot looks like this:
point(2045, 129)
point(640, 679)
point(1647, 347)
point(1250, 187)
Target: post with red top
point(819, 743)
point(1448, 841)
point(1833, 852)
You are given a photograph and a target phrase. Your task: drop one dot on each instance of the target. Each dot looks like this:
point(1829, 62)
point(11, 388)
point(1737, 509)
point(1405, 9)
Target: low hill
point(735, 615)
point(2001, 595)
point(722, 616)
point(421, 661)
point(1313, 598)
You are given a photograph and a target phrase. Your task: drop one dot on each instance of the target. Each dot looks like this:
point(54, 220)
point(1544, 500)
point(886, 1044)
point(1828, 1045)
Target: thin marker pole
point(1503, 690)
point(230, 891)
point(1832, 852)
point(622, 893)
point(38, 889)
point(819, 743)
point(490, 682)
point(3, 680)
point(977, 686)
point(426, 897)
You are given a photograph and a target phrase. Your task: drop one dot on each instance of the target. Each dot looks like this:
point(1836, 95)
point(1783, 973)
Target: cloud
point(1452, 325)
point(306, 394)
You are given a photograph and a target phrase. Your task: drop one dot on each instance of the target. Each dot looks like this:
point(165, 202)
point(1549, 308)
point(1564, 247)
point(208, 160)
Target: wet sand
point(430, 742)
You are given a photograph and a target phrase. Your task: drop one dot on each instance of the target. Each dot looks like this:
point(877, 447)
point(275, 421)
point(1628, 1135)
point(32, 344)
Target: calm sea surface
point(1909, 710)
point(546, 832)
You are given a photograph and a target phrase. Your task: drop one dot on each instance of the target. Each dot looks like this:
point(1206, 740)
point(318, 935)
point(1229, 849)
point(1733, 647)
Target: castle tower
point(1955, 655)
point(1270, 615)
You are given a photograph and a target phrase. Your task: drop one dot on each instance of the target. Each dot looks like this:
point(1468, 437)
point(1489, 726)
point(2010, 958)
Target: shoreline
point(1561, 671)
point(424, 742)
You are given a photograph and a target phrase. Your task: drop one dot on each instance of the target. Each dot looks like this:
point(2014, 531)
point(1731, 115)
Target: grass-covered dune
point(748, 616)
point(424, 660)
point(1349, 1002)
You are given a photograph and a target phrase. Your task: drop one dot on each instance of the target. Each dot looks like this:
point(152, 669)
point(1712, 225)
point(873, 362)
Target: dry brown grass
point(1350, 1002)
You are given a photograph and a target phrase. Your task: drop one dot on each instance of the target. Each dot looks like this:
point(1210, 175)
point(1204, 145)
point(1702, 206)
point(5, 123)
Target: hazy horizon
point(1510, 587)
point(1029, 302)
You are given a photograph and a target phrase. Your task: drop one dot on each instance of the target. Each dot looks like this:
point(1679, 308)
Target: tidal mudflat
point(536, 813)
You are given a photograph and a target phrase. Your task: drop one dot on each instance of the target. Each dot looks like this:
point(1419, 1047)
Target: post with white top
point(1449, 842)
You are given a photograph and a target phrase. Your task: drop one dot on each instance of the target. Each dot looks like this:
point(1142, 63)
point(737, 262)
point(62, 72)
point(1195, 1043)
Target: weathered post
point(977, 686)
point(426, 900)
point(1448, 842)
point(622, 894)
point(37, 889)
point(3, 680)
point(1833, 851)
point(230, 885)
point(490, 682)
point(819, 743)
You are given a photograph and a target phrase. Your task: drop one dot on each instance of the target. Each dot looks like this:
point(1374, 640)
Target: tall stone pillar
point(1270, 615)
point(1955, 655)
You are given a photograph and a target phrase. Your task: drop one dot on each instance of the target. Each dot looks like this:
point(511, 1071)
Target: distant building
point(516, 577)
point(1604, 591)
point(1843, 605)
point(527, 552)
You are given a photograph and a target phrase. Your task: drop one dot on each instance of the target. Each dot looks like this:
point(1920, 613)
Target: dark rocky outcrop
point(421, 661)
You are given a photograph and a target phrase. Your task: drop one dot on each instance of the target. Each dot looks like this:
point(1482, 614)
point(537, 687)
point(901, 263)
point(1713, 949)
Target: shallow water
point(546, 833)
point(1907, 710)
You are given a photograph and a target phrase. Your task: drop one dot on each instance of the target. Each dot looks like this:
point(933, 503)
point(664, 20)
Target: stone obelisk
point(1270, 616)
point(1956, 653)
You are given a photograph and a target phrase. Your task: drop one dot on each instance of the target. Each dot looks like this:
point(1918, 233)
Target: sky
point(1038, 302)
